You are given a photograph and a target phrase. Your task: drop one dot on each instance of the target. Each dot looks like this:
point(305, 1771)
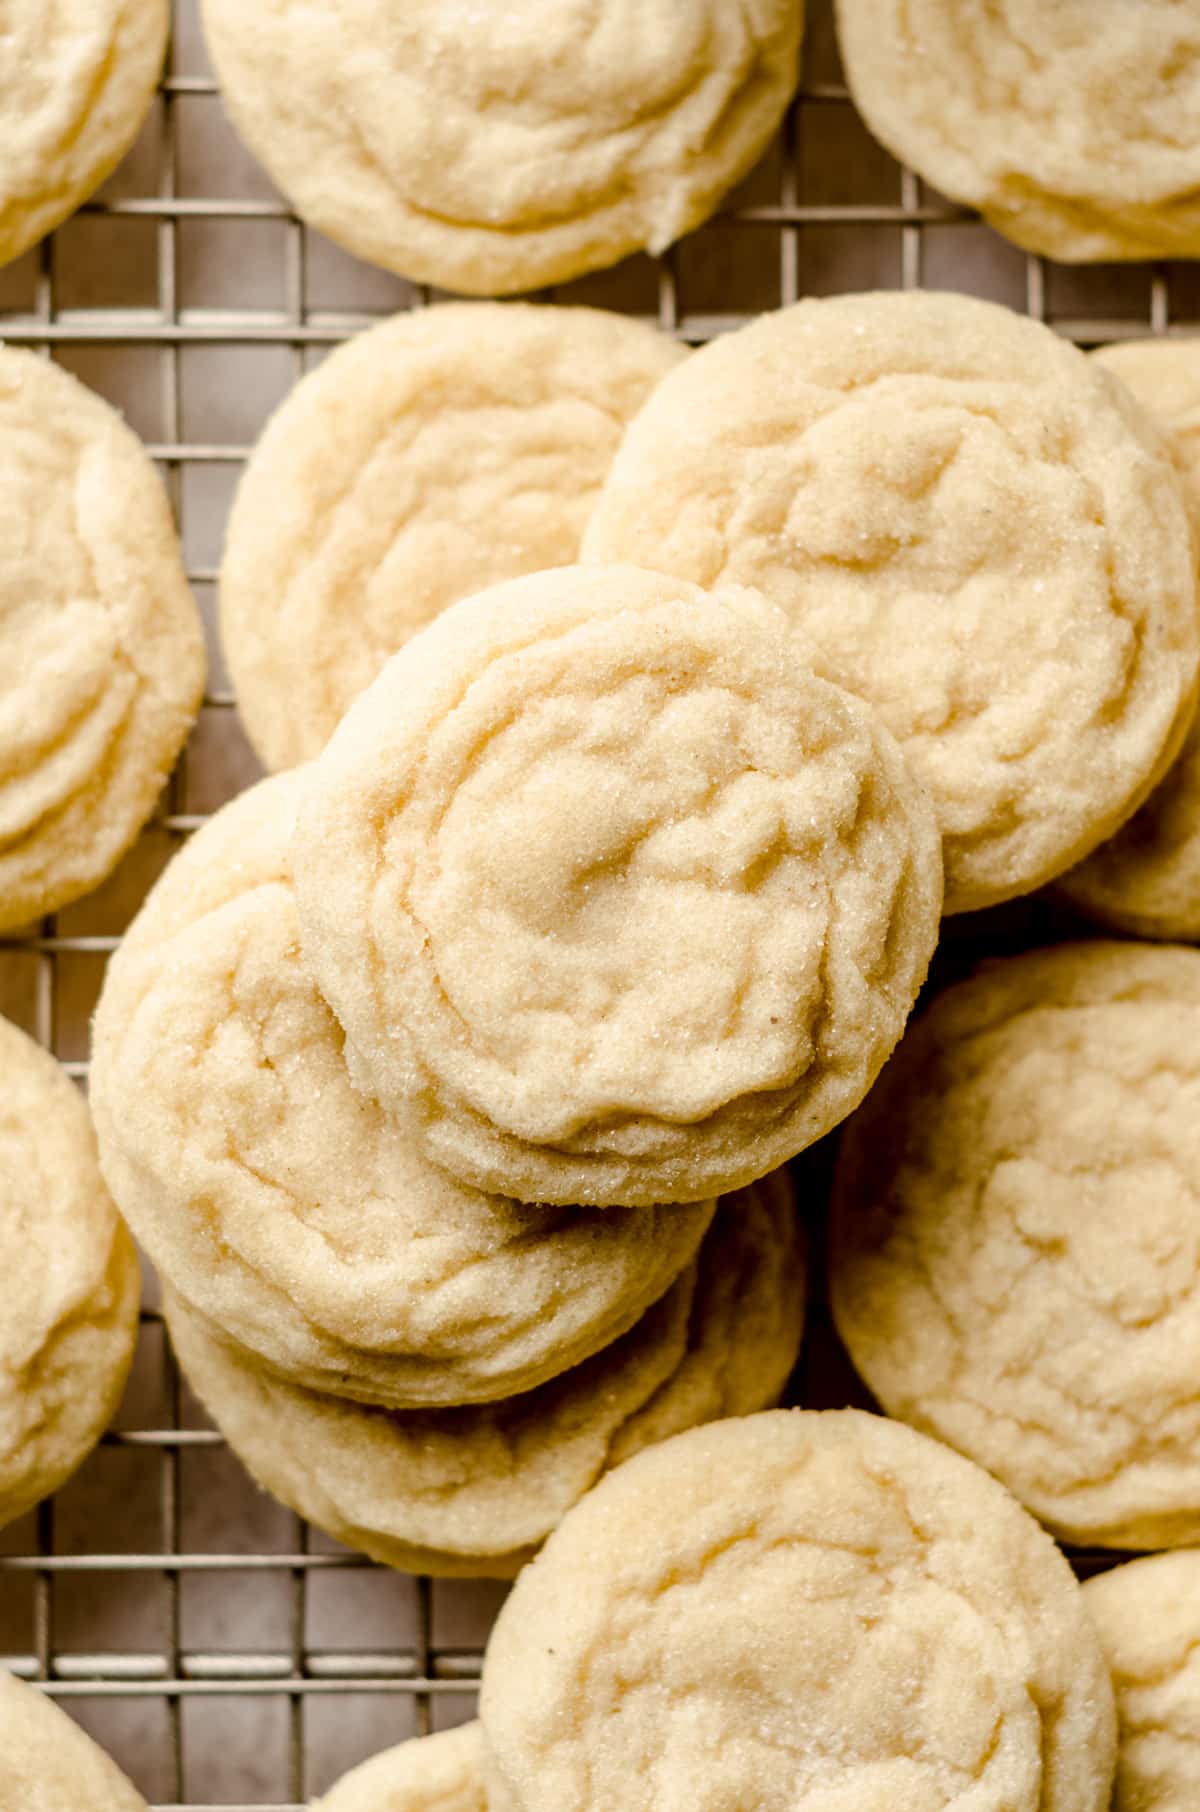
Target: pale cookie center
point(889, 534)
point(627, 904)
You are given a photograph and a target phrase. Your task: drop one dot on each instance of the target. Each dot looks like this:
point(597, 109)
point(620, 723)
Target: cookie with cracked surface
point(101, 650)
point(79, 77)
point(441, 452)
point(863, 461)
point(1148, 1616)
point(621, 899)
point(1071, 127)
point(292, 1210)
point(72, 1284)
point(474, 1491)
point(1016, 1250)
point(48, 1764)
point(1146, 879)
point(802, 1610)
point(440, 1773)
point(490, 149)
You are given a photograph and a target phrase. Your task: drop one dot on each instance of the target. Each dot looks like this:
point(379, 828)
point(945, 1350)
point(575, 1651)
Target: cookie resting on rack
point(79, 77)
point(475, 1491)
point(1016, 1248)
point(48, 1764)
point(1148, 1616)
point(970, 525)
point(1072, 127)
point(72, 1286)
point(1146, 880)
point(494, 148)
point(101, 650)
point(601, 881)
point(293, 1211)
point(441, 452)
point(801, 1610)
point(439, 1773)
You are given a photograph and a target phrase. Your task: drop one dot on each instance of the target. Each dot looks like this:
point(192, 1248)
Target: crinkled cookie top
point(621, 899)
point(797, 1612)
point(1146, 879)
point(1016, 1258)
point(441, 452)
point(971, 527)
point(1072, 126)
point(490, 148)
point(101, 651)
point(1148, 1616)
point(293, 1210)
point(71, 1280)
point(78, 80)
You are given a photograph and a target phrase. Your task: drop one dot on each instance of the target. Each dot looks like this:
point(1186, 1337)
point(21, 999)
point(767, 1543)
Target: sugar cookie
point(474, 1491)
point(101, 650)
point(79, 77)
point(71, 1281)
point(441, 452)
point(48, 1764)
point(605, 882)
point(441, 1773)
point(1148, 1616)
point(815, 1612)
point(1016, 1250)
point(1146, 879)
point(290, 1209)
point(1071, 127)
point(492, 149)
point(863, 461)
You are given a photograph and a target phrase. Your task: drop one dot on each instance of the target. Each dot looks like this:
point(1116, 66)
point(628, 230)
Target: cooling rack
point(226, 1655)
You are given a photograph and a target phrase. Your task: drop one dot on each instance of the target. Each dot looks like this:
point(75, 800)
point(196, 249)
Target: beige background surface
point(225, 1655)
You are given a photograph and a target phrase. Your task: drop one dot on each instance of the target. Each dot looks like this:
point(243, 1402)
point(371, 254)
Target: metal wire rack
point(226, 1655)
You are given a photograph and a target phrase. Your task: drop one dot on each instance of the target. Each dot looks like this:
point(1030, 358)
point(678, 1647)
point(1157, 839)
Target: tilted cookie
point(1148, 1616)
point(48, 1764)
point(475, 1491)
point(1071, 127)
point(440, 1773)
point(1016, 1256)
point(293, 1211)
point(812, 1611)
point(490, 149)
point(970, 525)
point(441, 452)
point(79, 77)
point(1146, 879)
point(626, 903)
point(71, 1281)
point(101, 650)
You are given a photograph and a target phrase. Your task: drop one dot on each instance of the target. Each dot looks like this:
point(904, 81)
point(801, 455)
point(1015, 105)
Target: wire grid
point(826, 211)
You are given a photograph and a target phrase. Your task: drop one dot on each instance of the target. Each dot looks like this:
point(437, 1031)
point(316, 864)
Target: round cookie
point(1016, 1253)
point(1146, 879)
point(812, 1611)
point(101, 650)
point(1148, 1616)
point(475, 1491)
point(863, 461)
point(291, 1210)
point(494, 149)
point(440, 1773)
point(48, 1764)
point(79, 79)
point(1071, 127)
point(71, 1281)
point(621, 898)
point(440, 452)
